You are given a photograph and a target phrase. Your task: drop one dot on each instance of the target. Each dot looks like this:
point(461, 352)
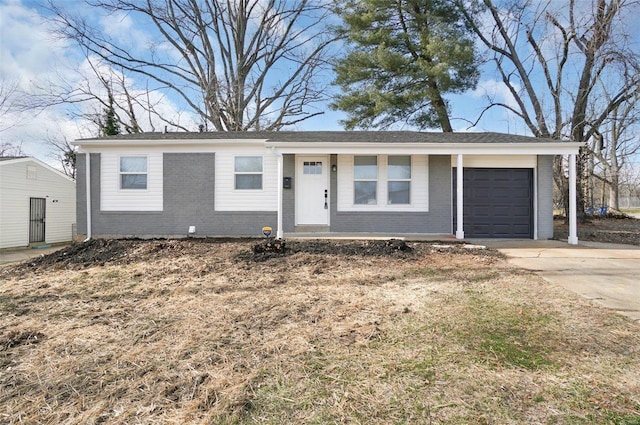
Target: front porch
point(441, 217)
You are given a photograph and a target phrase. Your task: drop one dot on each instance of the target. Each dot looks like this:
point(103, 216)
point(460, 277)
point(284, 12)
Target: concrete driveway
point(608, 274)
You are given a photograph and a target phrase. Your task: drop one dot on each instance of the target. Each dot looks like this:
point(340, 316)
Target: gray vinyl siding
point(436, 221)
point(545, 196)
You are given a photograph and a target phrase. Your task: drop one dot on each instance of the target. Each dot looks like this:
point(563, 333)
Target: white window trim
point(261, 174)
point(120, 173)
point(419, 192)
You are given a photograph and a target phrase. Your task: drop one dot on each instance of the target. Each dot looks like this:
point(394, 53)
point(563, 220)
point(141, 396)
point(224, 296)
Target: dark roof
point(8, 158)
point(337, 136)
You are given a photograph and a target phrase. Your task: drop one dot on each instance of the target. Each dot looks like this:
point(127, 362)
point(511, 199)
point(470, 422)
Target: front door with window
point(37, 218)
point(312, 190)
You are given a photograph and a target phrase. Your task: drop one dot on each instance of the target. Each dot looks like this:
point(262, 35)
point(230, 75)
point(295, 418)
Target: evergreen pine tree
point(110, 126)
point(404, 56)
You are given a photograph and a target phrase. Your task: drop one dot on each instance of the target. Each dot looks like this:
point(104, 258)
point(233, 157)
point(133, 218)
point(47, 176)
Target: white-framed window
point(133, 172)
point(312, 167)
point(365, 180)
point(248, 172)
point(399, 180)
point(398, 183)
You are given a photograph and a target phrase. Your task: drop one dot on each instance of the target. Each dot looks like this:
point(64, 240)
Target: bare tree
point(239, 65)
point(97, 87)
point(613, 146)
point(8, 149)
point(552, 61)
point(8, 94)
point(630, 185)
point(65, 154)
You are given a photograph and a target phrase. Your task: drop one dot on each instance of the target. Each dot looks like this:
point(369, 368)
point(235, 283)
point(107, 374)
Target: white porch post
point(459, 193)
point(279, 231)
point(573, 222)
point(87, 182)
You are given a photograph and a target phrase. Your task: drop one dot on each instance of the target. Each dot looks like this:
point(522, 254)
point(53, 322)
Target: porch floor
point(371, 236)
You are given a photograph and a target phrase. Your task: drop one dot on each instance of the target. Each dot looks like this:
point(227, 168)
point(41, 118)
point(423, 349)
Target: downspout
point(87, 180)
point(459, 196)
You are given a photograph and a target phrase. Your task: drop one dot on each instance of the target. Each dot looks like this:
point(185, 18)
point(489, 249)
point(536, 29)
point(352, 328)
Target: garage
point(498, 202)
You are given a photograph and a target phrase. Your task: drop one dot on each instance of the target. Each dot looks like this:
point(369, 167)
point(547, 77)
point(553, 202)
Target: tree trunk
point(562, 186)
point(582, 181)
point(614, 191)
point(441, 107)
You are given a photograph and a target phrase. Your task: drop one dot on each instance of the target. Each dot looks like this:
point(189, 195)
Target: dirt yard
point(211, 332)
point(613, 229)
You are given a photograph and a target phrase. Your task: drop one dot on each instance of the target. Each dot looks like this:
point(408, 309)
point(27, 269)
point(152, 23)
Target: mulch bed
point(101, 252)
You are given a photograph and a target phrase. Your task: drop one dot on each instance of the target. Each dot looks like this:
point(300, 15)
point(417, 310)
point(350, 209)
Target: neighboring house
point(392, 183)
point(37, 203)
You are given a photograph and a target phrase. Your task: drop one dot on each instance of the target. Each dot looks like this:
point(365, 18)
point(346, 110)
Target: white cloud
point(496, 91)
point(30, 54)
point(29, 50)
point(124, 31)
point(499, 119)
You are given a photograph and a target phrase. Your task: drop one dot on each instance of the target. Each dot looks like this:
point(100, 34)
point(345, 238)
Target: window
point(312, 167)
point(133, 172)
point(383, 183)
point(248, 172)
point(399, 180)
point(365, 180)
point(32, 172)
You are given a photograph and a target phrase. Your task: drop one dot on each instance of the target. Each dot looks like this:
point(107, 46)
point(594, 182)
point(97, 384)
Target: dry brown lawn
point(205, 332)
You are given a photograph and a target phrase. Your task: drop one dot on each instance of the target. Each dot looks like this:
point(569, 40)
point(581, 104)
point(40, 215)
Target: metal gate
point(37, 218)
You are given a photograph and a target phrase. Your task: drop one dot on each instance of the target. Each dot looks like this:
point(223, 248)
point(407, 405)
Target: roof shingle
point(337, 137)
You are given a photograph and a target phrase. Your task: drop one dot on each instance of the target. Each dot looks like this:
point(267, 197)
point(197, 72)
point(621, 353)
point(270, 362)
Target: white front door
point(312, 190)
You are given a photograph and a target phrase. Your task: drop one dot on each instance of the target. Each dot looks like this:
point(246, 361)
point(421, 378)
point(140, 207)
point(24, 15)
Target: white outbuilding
point(37, 203)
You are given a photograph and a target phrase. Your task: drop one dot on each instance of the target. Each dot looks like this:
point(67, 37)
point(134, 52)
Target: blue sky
point(29, 53)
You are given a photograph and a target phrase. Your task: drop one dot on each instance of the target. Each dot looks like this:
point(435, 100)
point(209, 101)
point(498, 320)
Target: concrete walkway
point(608, 274)
point(17, 255)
